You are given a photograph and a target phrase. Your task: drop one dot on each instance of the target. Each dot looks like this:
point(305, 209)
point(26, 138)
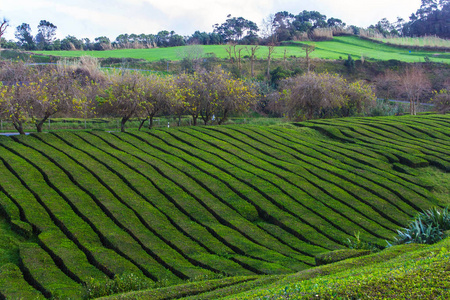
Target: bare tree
point(285, 57)
point(229, 50)
point(252, 54)
point(13, 104)
point(270, 51)
point(269, 33)
point(307, 94)
point(157, 92)
point(33, 95)
point(55, 93)
point(3, 26)
point(441, 101)
point(387, 85)
point(237, 56)
point(268, 29)
point(123, 97)
point(414, 83)
point(308, 50)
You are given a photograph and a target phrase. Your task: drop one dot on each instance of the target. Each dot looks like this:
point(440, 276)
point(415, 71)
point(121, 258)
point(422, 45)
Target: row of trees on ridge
point(35, 94)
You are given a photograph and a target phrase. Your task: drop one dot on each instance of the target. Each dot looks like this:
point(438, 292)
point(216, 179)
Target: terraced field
point(199, 203)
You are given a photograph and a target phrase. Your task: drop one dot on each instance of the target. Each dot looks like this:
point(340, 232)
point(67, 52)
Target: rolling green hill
point(339, 47)
point(92, 213)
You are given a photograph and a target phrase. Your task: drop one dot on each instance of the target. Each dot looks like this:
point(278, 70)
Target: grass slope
point(339, 47)
point(216, 206)
point(400, 272)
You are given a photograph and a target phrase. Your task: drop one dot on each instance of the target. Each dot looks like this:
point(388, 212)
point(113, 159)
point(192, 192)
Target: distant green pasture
point(338, 48)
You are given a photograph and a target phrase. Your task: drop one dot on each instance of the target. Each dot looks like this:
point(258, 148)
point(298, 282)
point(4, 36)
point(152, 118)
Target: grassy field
point(219, 210)
point(338, 48)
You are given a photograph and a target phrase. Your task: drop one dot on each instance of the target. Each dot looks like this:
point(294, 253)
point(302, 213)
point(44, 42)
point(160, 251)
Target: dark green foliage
point(430, 19)
point(109, 213)
point(350, 64)
point(37, 264)
point(11, 278)
point(280, 73)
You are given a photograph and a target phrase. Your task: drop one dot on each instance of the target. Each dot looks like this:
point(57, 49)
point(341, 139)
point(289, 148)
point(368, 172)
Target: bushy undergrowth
point(384, 107)
point(357, 244)
point(120, 284)
point(427, 228)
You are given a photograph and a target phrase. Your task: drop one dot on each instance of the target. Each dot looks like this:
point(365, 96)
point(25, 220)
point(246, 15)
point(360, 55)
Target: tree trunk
point(310, 113)
point(205, 118)
point(19, 127)
point(224, 118)
point(307, 61)
point(40, 124)
point(142, 123)
point(122, 123)
point(150, 125)
point(194, 120)
point(252, 66)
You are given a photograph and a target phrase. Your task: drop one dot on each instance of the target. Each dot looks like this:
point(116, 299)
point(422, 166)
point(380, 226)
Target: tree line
point(432, 18)
point(34, 94)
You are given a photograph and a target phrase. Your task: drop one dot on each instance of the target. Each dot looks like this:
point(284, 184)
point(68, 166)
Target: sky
point(94, 18)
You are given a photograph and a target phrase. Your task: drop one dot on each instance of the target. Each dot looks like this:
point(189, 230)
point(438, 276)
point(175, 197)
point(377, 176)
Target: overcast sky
point(94, 18)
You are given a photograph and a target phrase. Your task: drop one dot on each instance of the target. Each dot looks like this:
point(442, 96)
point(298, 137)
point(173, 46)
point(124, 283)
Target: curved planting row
point(203, 202)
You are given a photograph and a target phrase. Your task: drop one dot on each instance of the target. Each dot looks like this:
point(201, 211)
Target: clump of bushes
point(313, 95)
point(428, 227)
point(384, 107)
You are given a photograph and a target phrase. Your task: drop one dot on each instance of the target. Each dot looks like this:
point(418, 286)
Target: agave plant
point(427, 228)
point(437, 218)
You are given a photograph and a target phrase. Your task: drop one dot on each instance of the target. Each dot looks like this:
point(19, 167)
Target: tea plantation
point(216, 211)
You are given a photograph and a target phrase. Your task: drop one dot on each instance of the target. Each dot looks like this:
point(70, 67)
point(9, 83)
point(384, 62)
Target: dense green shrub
point(324, 95)
point(384, 107)
point(441, 101)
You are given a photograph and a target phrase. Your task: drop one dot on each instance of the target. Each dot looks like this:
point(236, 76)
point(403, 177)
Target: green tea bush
point(125, 282)
point(338, 255)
